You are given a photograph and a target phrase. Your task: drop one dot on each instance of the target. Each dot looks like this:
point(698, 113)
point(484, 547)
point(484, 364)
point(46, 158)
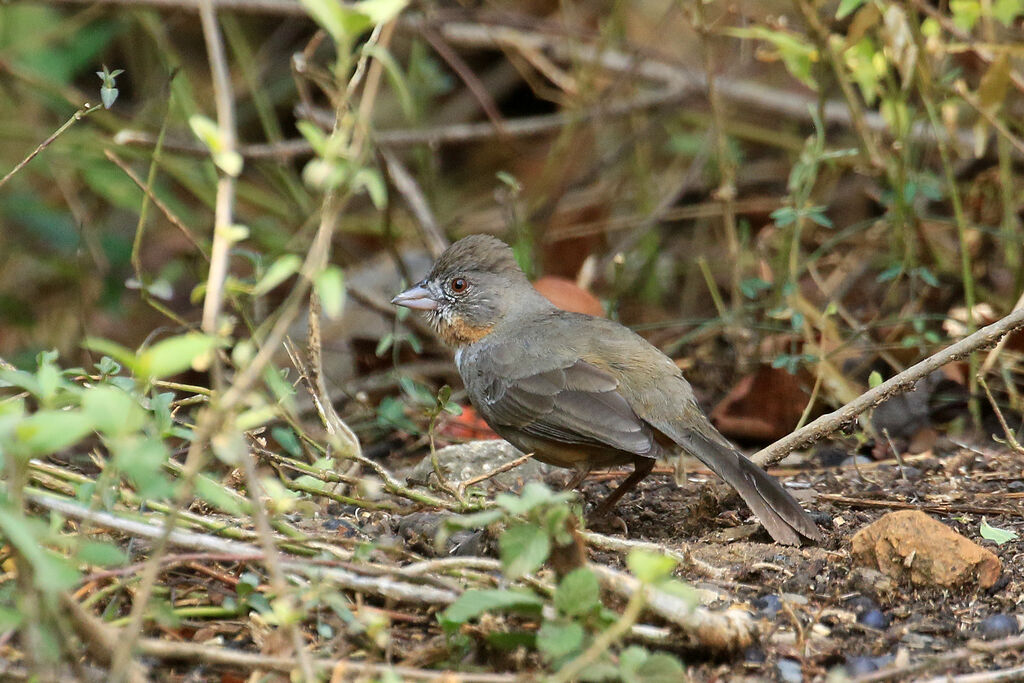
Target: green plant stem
point(726, 192)
point(82, 112)
point(601, 644)
point(867, 140)
point(709, 280)
point(966, 271)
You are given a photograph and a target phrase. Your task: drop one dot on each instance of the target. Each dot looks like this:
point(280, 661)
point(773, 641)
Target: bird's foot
point(606, 522)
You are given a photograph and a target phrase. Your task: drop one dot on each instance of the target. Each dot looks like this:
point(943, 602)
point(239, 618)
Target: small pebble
point(1016, 486)
point(856, 460)
point(789, 670)
point(860, 665)
point(466, 543)
point(768, 604)
point(911, 473)
point(998, 626)
point(754, 655)
point(874, 618)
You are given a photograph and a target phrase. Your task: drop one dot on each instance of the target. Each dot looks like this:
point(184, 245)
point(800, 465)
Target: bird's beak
point(417, 297)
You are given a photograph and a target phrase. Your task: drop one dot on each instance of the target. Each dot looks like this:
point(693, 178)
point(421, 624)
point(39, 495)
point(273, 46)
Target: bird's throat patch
point(457, 331)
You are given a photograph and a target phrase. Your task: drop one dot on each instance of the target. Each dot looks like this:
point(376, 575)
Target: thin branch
point(904, 381)
point(725, 631)
point(84, 111)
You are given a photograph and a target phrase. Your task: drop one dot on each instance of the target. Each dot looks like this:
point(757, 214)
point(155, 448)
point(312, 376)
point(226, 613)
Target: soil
point(813, 602)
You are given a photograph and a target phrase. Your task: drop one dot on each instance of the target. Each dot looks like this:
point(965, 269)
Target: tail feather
point(777, 510)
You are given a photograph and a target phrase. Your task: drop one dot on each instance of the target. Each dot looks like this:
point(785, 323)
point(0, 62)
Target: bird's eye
point(459, 285)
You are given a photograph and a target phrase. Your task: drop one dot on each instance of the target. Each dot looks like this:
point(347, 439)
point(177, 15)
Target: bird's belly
point(573, 456)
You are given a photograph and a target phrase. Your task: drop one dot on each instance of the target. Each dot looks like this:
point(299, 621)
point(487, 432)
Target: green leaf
point(636, 665)
point(558, 640)
point(141, 460)
point(50, 572)
point(650, 567)
point(1006, 11)
point(578, 592)
point(174, 355)
point(330, 287)
point(101, 554)
point(795, 51)
point(510, 640)
point(992, 533)
point(279, 271)
point(217, 496)
point(49, 431)
point(475, 602)
point(475, 520)
point(533, 494)
point(848, 7)
point(10, 619)
point(874, 379)
point(112, 411)
point(965, 13)
point(524, 548)
point(121, 354)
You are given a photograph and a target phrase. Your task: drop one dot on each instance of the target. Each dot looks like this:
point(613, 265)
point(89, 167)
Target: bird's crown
point(481, 253)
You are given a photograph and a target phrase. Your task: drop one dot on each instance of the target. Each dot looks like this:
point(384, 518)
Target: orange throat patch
point(457, 332)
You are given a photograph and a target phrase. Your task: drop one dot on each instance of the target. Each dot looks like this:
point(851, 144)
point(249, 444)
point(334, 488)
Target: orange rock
point(910, 546)
point(569, 296)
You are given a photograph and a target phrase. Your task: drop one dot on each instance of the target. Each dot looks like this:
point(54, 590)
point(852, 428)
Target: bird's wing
point(575, 403)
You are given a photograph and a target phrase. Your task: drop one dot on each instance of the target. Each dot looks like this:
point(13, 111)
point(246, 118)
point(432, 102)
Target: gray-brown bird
point(578, 391)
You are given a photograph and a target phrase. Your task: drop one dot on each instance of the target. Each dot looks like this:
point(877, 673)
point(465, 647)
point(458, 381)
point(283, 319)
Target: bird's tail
point(778, 511)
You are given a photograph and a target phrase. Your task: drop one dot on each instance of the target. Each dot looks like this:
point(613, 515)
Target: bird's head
point(473, 286)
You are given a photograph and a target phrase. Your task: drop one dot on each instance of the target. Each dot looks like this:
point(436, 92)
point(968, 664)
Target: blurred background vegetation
point(785, 196)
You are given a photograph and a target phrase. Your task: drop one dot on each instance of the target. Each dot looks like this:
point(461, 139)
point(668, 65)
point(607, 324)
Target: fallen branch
point(383, 586)
point(832, 422)
point(722, 631)
point(946, 659)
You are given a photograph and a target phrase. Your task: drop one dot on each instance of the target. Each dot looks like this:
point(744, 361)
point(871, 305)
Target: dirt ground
point(819, 613)
point(818, 609)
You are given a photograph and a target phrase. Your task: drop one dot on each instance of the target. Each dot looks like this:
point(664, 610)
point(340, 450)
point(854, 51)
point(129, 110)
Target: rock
point(769, 605)
point(998, 626)
point(467, 460)
point(910, 546)
point(789, 670)
point(874, 618)
point(860, 665)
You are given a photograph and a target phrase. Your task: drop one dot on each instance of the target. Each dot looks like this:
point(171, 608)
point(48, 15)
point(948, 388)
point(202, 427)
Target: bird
point(578, 391)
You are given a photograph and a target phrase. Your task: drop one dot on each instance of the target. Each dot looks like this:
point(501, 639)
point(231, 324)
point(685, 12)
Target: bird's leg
point(577, 478)
point(641, 468)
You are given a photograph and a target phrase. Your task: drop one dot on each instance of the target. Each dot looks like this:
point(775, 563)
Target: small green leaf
point(476, 520)
point(848, 7)
point(49, 431)
point(578, 592)
point(636, 665)
point(992, 533)
point(112, 411)
point(650, 567)
point(874, 379)
point(475, 602)
point(279, 271)
point(524, 548)
point(558, 640)
point(174, 355)
point(330, 287)
point(101, 554)
point(219, 497)
point(50, 572)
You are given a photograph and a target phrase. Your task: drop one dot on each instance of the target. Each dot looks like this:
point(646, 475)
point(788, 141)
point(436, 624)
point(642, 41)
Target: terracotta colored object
point(569, 296)
point(466, 425)
point(763, 406)
point(911, 547)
